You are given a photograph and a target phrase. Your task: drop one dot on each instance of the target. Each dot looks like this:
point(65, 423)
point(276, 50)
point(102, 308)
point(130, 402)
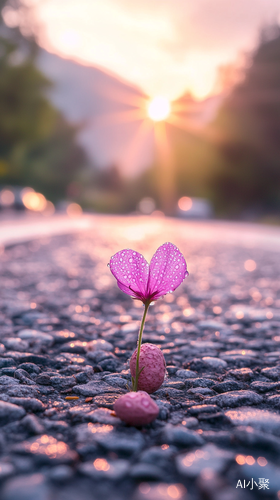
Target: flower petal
point(168, 269)
point(131, 271)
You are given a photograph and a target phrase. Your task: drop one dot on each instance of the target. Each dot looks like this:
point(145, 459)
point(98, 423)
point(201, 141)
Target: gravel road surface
point(217, 436)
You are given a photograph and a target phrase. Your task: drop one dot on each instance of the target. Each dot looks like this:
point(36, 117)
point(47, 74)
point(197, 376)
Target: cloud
point(165, 46)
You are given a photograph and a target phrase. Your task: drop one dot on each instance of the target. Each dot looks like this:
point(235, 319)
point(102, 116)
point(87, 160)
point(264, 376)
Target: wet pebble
point(10, 412)
point(26, 487)
point(208, 457)
point(102, 469)
point(215, 363)
point(236, 398)
point(180, 436)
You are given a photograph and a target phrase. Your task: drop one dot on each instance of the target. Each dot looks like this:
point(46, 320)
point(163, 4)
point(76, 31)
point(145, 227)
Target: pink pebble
point(152, 376)
point(136, 408)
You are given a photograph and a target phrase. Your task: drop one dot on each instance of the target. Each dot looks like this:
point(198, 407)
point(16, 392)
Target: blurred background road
point(138, 228)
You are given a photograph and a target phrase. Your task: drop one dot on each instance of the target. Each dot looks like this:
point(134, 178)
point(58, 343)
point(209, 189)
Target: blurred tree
point(37, 145)
point(245, 166)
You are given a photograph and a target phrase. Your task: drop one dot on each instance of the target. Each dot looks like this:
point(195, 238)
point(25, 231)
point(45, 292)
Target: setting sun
point(159, 109)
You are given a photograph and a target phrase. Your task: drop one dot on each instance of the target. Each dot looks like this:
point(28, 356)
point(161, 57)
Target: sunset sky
point(164, 46)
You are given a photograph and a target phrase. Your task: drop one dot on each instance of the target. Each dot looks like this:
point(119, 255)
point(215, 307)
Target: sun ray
point(194, 129)
point(119, 117)
point(137, 143)
point(120, 96)
point(166, 179)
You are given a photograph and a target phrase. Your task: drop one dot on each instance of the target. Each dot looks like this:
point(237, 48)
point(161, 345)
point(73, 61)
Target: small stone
point(99, 345)
point(215, 363)
point(208, 457)
point(35, 335)
point(210, 325)
point(103, 416)
point(274, 400)
point(30, 367)
point(264, 420)
point(158, 455)
point(116, 381)
point(16, 344)
point(9, 371)
point(204, 391)
point(180, 436)
point(92, 388)
point(75, 346)
point(32, 487)
point(62, 383)
point(196, 410)
point(200, 382)
point(223, 438)
point(23, 391)
point(176, 384)
point(29, 404)
point(250, 437)
point(46, 449)
point(146, 472)
point(103, 469)
point(129, 442)
point(214, 418)
point(171, 369)
point(24, 377)
point(60, 473)
point(81, 378)
point(186, 374)
point(107, 400)
point(100, 355)
point(10, 412)
point(265, 386)
point(152, 364)
point(7, 362)
point(190, 422)
point(160, 491)
point(39, 359)
point(227, 385)
point(136, 408)
point(6, 469)
point(110, 364)
point(79, 413)
point(32, 424)
point(236, 398)
point(273, 373)
point(6, 380)
point(63, 336)
point(43, 379)
point(242, 373)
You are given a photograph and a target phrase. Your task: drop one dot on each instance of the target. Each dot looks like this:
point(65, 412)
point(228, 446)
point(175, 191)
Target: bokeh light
point(185, 203)
point(34, 201)
point(250, 265)
point(101, 464)
point(147, 205)
point(74, 210)
point(7, 197)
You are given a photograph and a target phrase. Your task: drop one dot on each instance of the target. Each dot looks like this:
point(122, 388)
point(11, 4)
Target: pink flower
point(145, 282)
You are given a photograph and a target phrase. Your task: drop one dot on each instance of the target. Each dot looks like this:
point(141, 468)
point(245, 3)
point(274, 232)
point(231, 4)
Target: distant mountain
point(86, 94)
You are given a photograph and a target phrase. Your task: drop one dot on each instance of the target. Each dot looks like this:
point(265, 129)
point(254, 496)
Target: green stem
point(135, 381)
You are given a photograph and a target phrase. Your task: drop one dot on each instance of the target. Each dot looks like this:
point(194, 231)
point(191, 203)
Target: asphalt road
point(136, 228)
point(217, 436)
